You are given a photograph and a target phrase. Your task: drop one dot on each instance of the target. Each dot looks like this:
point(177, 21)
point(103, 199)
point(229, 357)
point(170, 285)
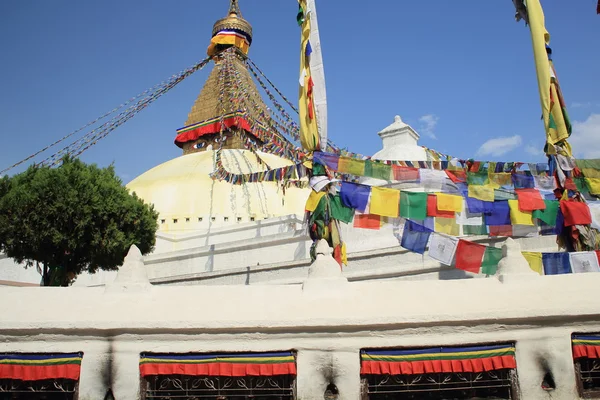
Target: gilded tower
point(215, 121)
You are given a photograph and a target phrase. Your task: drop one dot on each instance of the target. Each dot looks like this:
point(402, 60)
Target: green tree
point(72, 219)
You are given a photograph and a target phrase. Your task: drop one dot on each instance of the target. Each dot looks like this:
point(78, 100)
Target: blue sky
point(461, 73)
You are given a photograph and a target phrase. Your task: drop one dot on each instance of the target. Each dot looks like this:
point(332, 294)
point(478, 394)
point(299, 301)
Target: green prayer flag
point(339, 211)
point(300, 15)
point(478, 178)
point(319, 213)
point(500, 194)
point(581, 185)
point(475, 229)
point(413, 205)
point(378, 170)
point(549, 214)
point(491, 258)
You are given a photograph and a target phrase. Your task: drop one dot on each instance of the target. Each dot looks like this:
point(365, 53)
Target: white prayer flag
point(442, 248)
point(466, 218)
point(585, 261)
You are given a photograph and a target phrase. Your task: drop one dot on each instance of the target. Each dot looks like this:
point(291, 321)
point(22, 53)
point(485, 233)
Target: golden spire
point(234, 8)
point(234, 21)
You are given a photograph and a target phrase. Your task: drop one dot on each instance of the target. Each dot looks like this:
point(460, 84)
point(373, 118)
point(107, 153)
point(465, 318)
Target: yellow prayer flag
point(483, 192)
point(534, 260)
point(518, 217)
point(309, 134)
point(449, 202)
point(500, 178)
point(447, 226)
point(384, 202)
point(590, 172)
point(593, 185)
point(313, 200)
point(554, 119)
point(347, 165)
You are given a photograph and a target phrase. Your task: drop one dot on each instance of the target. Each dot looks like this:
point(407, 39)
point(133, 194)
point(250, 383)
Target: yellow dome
point(186, 197)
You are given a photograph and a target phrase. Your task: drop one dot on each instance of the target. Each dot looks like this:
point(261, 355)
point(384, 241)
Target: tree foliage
point(72, 219)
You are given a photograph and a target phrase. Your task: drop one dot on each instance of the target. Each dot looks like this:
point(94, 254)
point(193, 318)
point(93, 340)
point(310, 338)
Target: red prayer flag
point(501, 230)
point(456, 176)
point(575, 213)
point(405, 173)
point(367, 221)
point(469, 256)
point(432, 210)
point(530, 200)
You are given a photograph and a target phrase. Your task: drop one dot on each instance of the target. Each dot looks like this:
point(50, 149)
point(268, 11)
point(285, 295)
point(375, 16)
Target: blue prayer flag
point(329, 160)
point(500, 214)
point(477, 206)
point(355, 196)
point(556, 263)
point(415, 241)
point(308, 49)
point(523, 180)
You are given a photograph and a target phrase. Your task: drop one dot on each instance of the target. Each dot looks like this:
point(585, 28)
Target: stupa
point(229, 121)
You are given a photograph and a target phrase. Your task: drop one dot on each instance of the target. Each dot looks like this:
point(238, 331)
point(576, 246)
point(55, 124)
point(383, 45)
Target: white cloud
point(429, 122)
point(581, 105)
point(499, 146)
point(585, 139)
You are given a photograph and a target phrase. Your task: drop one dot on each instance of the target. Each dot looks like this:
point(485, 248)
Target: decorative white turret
point(400, 142)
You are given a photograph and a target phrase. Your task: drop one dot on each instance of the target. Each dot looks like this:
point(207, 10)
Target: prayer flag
point(595, 212)
point(485, 193)
point(534, 260)
point(415, 241)
point(530, 199)
point(549, 213)
point(501, 230)
point(339, 211)
point(442, 248)
point(457, 176)
point(593, 184)
point(478, 206)
point(413, 205)
point(467, 218)
point(475, 230)
point(447, 226)
point(384, 202)
point(347, 165)
point(585, 261)
point(405, 173)
point(500, 214)
point(556, 263)
point(330, 160)
point(500, 179)
point(367, 221)
point(518, 217)
point(491, 258)
point(355, 196)
point(417, 227)
point(378, 170)
point(478, 178)
point(523, 180)
point(449, 202)
point(575, 213)
point(469, 256)
point(313, 200)
point(432, 179)
point(432, 208)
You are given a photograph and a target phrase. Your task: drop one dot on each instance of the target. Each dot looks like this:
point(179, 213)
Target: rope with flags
point(78, 146)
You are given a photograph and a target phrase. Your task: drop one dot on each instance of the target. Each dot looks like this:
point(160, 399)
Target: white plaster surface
point(327, 325)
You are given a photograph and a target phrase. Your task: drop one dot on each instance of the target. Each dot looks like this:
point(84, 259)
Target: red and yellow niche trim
point(253, 364)
point(37, 367)
point(436, 360)
point(587, 346)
